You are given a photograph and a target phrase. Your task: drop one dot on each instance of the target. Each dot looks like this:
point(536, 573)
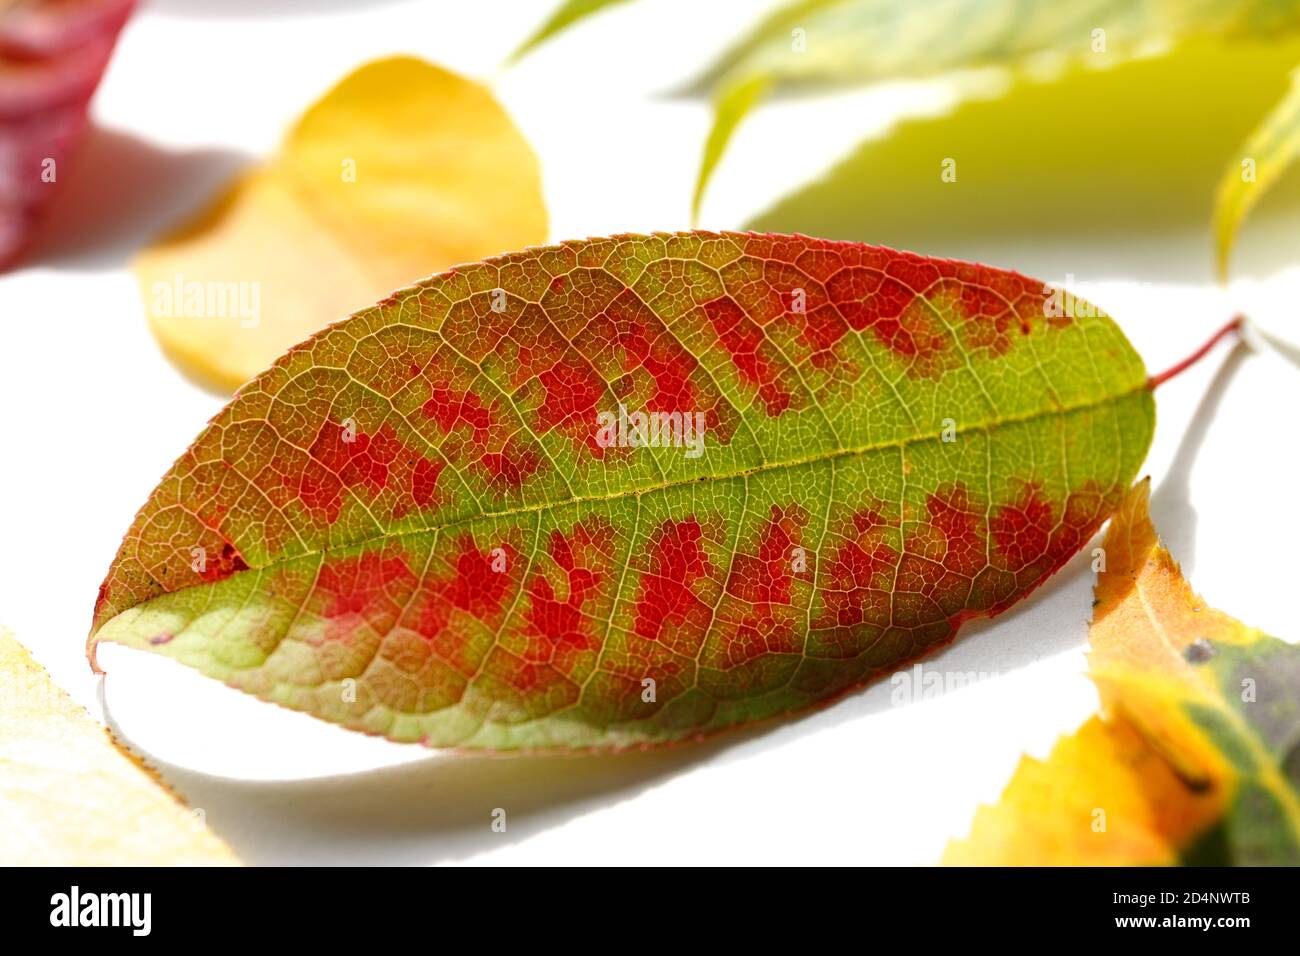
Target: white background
point(92, 414)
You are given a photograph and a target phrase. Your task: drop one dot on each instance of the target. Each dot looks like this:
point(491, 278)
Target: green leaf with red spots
point(416, 523)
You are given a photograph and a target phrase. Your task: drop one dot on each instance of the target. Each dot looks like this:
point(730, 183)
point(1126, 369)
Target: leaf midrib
point(986, 426)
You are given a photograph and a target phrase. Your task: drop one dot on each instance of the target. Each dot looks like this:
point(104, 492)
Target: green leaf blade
point(472, 569)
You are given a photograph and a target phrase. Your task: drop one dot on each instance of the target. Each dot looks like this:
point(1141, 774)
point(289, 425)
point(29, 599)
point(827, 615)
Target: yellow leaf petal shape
point(69, 797)
point(400, 171)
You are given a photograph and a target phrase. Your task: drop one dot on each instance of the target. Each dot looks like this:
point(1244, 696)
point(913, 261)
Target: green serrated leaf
point(442, 521)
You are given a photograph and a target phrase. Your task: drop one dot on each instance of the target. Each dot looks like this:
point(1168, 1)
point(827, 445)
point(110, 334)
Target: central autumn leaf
point(636, 490)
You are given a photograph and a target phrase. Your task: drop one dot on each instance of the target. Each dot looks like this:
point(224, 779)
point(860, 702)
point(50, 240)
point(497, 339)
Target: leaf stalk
point(1233, 326)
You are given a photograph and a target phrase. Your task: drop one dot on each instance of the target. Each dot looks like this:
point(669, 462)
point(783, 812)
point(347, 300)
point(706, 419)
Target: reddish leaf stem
point(1234, 326)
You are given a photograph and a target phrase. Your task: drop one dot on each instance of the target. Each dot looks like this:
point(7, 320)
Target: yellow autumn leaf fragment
point(1194, 758)
point(1145, 620)
point(400, 171)
point(1218, 699)
point(69, 797)
point(1102, 798)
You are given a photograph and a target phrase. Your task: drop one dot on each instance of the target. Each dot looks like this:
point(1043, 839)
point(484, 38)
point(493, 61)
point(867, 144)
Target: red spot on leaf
point(226, 562)
point(512, 466)
point(476, 585)
point(890, 306)
point(764, 581)
point(647, 344)
point(667, 608)
point(766, 577)
point(1022, 530)
point(1032, 543)
point(365, 466)
point(101, 597)
point(942, 555)
point(424, 482)
point(860, 573)
point(451, 408)
point(912, 305)
point(371, 590)
point(558, 624)
point(960, 525)
point(363, 591)
point(754, 357)
point(572, 390)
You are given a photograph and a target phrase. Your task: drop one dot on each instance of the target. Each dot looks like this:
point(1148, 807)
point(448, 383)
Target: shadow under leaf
point(1171, 506)
point(438, 808)
point(120, 192)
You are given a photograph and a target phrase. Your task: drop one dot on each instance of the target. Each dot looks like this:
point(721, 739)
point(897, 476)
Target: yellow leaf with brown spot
point(1197, 756)
point(1102, 798)
point(69, 797)
point(400, 171)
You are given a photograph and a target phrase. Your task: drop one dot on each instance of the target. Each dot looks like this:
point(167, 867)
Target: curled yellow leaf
point(400, 171)
point(1194, 758)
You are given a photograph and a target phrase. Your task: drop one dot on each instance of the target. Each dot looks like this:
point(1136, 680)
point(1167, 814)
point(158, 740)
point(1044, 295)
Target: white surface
point(92, 415)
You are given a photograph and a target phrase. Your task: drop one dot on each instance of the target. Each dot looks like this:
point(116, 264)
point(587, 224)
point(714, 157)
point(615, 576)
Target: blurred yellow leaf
point(833, 43)
point(69, 797)
point(1197, 756)
point(1102, 798)
point(1100, 155)
point(400, 171)
point(1260, 162)
point(844, 42)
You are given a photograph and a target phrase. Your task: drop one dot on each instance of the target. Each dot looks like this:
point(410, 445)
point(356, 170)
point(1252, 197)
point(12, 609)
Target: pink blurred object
point(52, 55)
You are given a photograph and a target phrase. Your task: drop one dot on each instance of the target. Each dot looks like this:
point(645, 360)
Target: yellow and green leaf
point(820, 43)
point(842, 42)
point(1261, 161)
point(440, 521)
point(1197, 758)
point(1101, 155)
